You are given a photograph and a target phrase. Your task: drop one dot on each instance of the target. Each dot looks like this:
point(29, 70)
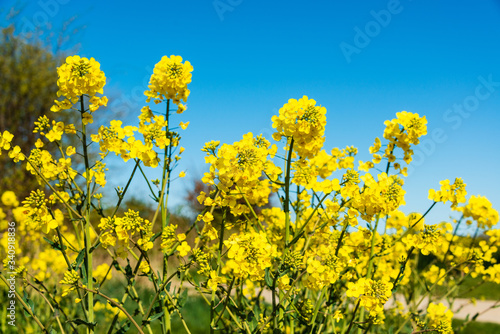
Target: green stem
point(147, 182)
point(402, 270)
point(344, 230)
point(166, 323)
point(353, 317)
point(115, 304)
point(90, 280)
point(370, 265)
point(219, 261)
point(428, 292)
point(300, 231)
point(286, 205)
point(316, 309)
point(122, 195)
point(26, 307)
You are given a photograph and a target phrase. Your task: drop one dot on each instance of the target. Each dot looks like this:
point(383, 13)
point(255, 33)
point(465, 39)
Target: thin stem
point(166, 326)
point(370, 264)
point(402, 270)
point(26, 307)
point(353, 317)
point(316, 309)
point(122, 195)
point(147, 182)
point(286, 205)
point(116, 304)
point(300, 231)
point(88, 257)
point(226, 301)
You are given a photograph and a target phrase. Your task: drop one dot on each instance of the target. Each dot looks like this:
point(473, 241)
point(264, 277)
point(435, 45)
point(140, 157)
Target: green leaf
point(116, 265)
point(78, 322)
point(156, 316)
point(268, 279)
point(54, 245)
point(124, 328)
point(30, 303)
point(94, 247)
point(154, 237)
point(79, 259)
point(128, 271)
point(182, 297)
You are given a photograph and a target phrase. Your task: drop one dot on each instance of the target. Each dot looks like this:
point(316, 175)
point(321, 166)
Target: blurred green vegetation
point(475, 327)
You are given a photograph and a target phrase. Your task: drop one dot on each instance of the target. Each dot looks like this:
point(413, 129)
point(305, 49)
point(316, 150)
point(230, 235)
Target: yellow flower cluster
point(439, 318)
point(5, 144)
point(109, 311)
point(152, 127)
point(313, 173)
point(249, 254)
point(239, 169)
point(427, 240)
point(39, 215)
point(303, 121)
point(455, 193)
point(274, 219)
point(32, 252)
point(323, 267)
point(80, 76)
point(41, 163)
point(71, 278)
point(399, 221)
point(403, 132)
point(479, 209)
point(372, 294)
point(121, 141)
point(171, 241)
point(9, 198)
point(169, 80)
point(379, 197)
point(118, 232)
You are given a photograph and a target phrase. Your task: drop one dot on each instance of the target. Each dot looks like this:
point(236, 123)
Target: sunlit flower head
point(169, 80)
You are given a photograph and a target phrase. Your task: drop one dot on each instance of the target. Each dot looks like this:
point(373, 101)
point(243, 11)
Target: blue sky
point(363, 60)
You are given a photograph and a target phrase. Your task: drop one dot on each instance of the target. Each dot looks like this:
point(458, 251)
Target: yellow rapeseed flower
point(169, 80)
point(80, 76)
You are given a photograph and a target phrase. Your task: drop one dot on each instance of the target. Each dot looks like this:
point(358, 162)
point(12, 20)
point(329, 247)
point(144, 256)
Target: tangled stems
point(26, 307)
point(115, 304)
point(369, 271)
point(428, 293)
point(219, 255)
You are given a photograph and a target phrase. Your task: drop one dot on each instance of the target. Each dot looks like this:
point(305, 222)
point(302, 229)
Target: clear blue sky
point(363, 60)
